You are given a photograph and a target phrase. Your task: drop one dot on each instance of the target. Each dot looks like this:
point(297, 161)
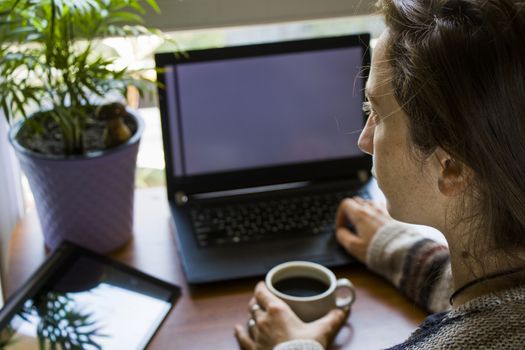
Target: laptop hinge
point(181, 198)
point(363, 175)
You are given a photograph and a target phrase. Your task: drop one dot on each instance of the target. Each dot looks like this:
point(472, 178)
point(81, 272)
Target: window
point(138, 54)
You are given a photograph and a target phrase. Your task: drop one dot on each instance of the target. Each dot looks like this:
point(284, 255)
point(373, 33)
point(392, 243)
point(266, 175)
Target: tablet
point(82, 300)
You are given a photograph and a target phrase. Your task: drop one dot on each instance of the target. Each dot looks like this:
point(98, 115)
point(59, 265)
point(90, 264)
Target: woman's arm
point(417, 265)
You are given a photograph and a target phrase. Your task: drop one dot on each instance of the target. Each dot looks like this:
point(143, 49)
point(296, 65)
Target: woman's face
point(409, 184)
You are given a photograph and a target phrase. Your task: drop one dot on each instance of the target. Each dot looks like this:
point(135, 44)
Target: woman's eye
point(369, 112)
point(367, 108)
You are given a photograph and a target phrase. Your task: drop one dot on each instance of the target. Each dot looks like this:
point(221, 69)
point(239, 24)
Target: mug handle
point(344, 303)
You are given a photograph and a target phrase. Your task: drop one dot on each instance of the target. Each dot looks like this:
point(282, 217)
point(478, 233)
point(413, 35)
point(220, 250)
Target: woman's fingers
point(330, 324)
point(352, 243)
point(353, 211)
point(347, 238)
point(254, 309)
point(275, 322)
point(359, 200)
point(264, 297)
point(366, 217)
point(243, 338)
point(345, 213)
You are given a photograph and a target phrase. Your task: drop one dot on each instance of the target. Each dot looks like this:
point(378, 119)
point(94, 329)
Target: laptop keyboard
point(301, 216)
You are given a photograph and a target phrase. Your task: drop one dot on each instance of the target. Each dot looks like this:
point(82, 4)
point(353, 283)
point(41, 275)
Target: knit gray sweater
point(420, 268)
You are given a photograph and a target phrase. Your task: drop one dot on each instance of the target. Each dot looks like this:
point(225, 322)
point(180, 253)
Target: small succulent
point(116, 132)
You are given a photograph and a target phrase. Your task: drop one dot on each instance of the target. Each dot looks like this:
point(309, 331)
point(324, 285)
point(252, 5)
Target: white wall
point(191, 14)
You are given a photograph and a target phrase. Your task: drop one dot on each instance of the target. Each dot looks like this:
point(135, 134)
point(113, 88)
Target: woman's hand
point(366, 217)
point(275, 323)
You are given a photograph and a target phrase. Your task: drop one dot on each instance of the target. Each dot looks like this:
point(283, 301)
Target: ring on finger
point(253, 309)
point(250, 325)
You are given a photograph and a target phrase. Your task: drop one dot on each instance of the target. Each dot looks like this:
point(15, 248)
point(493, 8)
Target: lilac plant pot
point(86, 199)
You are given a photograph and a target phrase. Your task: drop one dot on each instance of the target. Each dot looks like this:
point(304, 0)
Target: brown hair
point(458, 71)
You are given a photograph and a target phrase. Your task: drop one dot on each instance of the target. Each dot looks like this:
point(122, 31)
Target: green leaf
point(137, 7)
point(5, 110)
point(22, 30)
point(153, 5)
point(124, 17)
point(63, 69)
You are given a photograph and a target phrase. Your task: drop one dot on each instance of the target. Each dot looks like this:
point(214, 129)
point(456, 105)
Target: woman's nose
point(366, 139)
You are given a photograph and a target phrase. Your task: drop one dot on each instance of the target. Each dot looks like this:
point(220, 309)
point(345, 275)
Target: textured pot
point(86, 199)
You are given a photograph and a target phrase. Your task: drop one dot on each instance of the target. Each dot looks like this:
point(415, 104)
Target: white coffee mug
point(337, 293)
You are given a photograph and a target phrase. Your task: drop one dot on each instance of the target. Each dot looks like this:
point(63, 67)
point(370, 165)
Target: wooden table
point(204, 316)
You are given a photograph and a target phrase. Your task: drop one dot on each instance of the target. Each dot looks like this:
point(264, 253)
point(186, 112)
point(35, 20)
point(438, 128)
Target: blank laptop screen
point(253, 112)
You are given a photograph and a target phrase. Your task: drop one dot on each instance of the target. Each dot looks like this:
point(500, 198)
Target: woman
point(446, 126)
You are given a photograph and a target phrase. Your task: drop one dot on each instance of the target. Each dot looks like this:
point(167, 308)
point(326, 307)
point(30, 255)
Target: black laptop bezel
point(344, 168)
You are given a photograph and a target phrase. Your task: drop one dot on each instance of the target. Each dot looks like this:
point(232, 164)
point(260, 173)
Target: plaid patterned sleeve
point(418, 266)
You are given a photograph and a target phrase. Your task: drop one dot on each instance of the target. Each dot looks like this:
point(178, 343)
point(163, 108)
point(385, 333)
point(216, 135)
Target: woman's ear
point(454, 176)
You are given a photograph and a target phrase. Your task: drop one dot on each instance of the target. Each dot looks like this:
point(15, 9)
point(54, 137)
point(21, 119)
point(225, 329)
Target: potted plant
point(63, 97)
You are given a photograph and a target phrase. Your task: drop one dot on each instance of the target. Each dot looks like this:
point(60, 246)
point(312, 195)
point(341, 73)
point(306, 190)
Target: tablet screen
point(87, 301)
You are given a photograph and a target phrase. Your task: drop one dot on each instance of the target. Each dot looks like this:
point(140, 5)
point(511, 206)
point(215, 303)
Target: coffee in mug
point(301, 286)
point(310, 289)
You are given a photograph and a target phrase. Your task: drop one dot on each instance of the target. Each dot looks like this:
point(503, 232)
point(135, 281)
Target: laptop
point(260, 144)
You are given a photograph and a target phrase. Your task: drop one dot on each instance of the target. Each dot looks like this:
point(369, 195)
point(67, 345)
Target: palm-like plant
point(61, 324)
point(49, 60)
